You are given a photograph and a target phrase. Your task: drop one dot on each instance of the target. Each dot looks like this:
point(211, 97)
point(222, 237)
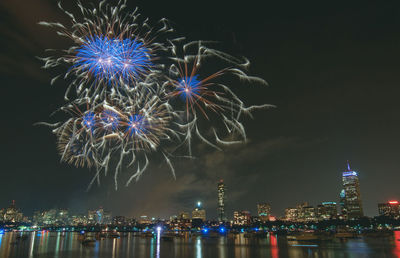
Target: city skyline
point(332, 77)
point(349, 205)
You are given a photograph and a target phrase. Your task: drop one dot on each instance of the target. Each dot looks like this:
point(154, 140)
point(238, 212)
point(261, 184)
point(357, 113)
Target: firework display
point(136, 91)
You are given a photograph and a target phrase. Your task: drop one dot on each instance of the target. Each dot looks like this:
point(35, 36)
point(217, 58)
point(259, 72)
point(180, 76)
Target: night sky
point(333, 73)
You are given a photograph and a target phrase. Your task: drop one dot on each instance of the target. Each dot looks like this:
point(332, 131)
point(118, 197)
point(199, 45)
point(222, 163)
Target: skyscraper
point(350, 197)
point(221, 201)
point(264, 211)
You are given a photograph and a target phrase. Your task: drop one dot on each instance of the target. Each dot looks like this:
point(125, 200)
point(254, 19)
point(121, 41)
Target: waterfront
point(67, 244)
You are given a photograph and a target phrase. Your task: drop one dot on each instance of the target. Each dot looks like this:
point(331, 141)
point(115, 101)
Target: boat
point(378, 234)
point(169, 235)
point(23, 237)
point(303, 236)
point(325, 236)
point(146, 234)
point(260, 234)
point(179, 234)
point(101, 235)
point(248, 235)
point(341, 233)
point(213, 234)
point(167, 238)
point(88, 240)
point(114, 235)
point(174, 234)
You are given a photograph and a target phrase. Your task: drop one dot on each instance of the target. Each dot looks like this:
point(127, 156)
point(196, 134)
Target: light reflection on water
point(57, 244)
point(396, 251)
point(274, 246)
point(198, 248)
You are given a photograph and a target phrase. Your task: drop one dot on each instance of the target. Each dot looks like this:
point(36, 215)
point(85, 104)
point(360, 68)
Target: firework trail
point(136, 91)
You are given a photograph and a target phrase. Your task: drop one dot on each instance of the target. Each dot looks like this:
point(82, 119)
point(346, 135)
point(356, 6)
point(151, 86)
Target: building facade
point(264, 211)
point(291, 214)
point(350, 197)
point(199, 212)
point(302, 213)
point(241, 218)
point(327, 211)
point(12, 214)
point(221, 201)
point(389, 209)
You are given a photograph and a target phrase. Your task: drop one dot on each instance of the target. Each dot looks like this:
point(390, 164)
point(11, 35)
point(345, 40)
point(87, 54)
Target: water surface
point(67, 244)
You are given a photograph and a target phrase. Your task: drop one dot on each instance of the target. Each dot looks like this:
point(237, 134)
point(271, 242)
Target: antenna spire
point(348, 166)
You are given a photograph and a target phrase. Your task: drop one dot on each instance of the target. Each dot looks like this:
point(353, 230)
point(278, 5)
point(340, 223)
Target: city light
point(45, 222)
point(351, 173)
point(305, 245)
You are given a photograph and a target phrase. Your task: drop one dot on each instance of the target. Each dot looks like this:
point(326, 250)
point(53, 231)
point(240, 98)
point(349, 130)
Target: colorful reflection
point(274, 246)
point(199, 253)
point(158, 244)
point(397, 243)
point(239, 246)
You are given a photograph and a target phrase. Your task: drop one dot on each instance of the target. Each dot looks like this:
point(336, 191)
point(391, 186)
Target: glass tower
point(221, 201)
point(350, 197)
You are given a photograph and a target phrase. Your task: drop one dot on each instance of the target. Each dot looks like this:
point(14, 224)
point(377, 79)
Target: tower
point(264, 211)
point(221, 201)
point(350, 197)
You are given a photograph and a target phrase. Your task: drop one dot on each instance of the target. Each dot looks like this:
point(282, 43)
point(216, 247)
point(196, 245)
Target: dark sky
point(333, 73)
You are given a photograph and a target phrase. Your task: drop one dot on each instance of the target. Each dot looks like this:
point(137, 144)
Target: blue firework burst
point(136, 125)
point(89, 120)
point(112, 59)
point(110, 119)
point(189, 87)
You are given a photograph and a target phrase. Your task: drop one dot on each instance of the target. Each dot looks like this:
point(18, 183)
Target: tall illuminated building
point(264, 211)
point(350, 197)
point(221, 201)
